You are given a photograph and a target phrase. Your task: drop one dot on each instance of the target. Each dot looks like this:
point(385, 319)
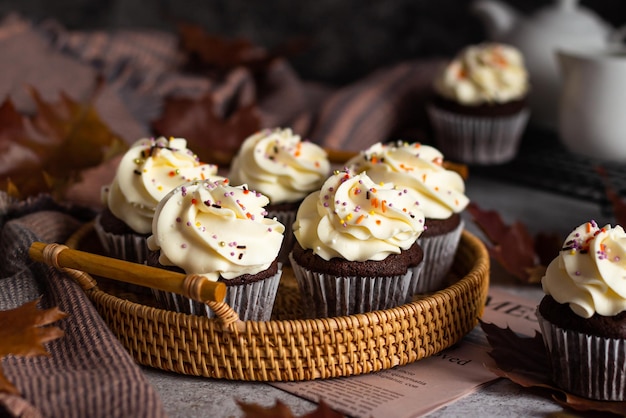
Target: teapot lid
point(569, 16)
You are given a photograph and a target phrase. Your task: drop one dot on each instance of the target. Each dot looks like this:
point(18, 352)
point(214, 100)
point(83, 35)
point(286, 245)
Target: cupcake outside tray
point(479, 109)
point(583, 315)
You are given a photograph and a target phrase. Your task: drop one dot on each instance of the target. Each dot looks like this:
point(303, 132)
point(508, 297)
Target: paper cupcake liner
point(586, 365)
point(127, 247)
point(475, 139)
point(252, 301)
point(287, 218)
point(326, 295)
point(439, 252)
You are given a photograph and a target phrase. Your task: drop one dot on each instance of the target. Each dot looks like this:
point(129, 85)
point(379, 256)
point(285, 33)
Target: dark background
point(348, 38)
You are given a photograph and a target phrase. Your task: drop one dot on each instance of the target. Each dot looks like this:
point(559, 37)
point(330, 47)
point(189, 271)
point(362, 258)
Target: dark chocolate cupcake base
point(339, 287)
point(582, 363)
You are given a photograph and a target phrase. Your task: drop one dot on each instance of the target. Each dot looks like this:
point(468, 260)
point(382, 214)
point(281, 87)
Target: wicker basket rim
point(478, 273)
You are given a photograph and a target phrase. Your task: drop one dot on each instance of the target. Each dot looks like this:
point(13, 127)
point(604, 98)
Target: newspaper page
point(428, 384)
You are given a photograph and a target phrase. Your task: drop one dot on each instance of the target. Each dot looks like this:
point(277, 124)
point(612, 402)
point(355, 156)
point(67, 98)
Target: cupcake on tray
point(479, 110)
point(220, 231)
point(441, 199)
point(356, 248)
point(583, 315)
point(283, 167)
point(150, 169)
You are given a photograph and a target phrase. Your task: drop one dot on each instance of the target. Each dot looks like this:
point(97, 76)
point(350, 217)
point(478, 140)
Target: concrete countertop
point(188, 396)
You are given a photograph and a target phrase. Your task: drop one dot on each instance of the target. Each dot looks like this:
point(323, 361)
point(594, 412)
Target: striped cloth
point(88, 372)
point(142, 69)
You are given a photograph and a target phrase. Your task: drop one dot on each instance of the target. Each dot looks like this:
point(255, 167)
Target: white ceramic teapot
point(592, 110)
point(563, 24)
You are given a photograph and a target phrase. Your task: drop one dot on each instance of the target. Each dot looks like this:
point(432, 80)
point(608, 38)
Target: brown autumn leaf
point(512, 352)
point(525, 257)
point(51, 148)
point(213, 138)
point(280, 410)
point(19, 153)
point(524, 361)
point(24, 331)
point(218, 55)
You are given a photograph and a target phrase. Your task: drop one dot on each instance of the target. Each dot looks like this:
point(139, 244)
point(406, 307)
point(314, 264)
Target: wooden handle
point(337, 156)
point(196, 286)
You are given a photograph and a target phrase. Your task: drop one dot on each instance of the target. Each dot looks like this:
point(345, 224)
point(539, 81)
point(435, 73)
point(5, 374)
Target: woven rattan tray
point(288, 348)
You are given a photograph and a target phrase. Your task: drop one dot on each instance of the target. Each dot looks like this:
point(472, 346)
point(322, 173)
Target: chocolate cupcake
point(441, 199)
point(583, 315)
point(145, 174)
point(279, 164)
point(221, 232)
point(479, 107)
point(356, 247)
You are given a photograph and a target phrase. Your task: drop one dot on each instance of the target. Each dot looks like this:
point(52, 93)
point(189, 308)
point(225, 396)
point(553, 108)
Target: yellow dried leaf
point(24, 331)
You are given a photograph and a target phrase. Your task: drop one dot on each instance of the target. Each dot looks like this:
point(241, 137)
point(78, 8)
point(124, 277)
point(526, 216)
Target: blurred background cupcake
point(441, 199)
point(149, 170)
point(479, 108)
point(285, 168)
point(583, 314)
point(356, 248)
point(221, 232)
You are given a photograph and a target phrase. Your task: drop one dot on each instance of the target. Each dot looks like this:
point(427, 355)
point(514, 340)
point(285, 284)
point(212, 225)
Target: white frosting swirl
point(484, 73)
point(353, 218)
point(146, 173)
point(418, 166)
point(214, 229)
point(590, 272)
point(280, 165)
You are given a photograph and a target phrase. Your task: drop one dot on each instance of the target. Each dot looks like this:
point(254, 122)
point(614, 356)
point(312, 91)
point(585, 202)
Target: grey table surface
point(540, 211)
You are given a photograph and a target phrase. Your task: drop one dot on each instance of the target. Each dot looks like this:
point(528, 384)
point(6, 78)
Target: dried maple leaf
point(46, 152)
point(24, 331)
point(524, 361)
point(218, 55)
point(280, 410)
point(19, 153)
point(513, 247)
point(512, 352)
point(213, 138)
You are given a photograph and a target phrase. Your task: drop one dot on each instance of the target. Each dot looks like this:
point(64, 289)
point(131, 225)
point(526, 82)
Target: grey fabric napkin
point(88, 372)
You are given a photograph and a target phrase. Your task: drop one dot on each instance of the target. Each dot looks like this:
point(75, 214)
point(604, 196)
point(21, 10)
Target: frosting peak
point(484, 73)
point(353, 218)
point(215, 229)
point(277, 163)
point(590, 272)
point(146, 173)
point(420, 167)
